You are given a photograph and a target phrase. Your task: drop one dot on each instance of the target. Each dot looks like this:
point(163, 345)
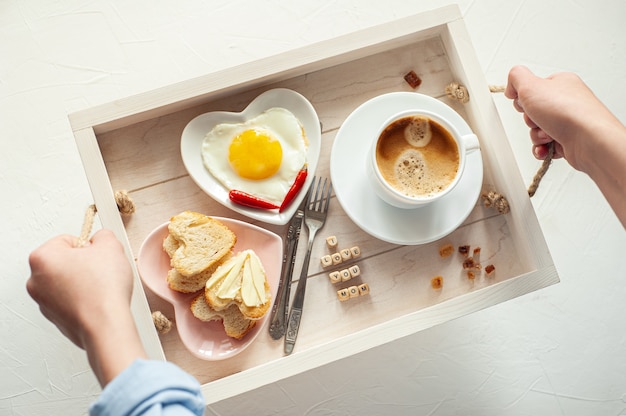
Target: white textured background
point(559, 351)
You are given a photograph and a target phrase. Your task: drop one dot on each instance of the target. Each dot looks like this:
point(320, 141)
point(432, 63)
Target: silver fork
point(314, 218)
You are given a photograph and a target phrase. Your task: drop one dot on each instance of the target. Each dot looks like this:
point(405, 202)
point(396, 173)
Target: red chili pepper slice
point(295, 188)
point(244, 198)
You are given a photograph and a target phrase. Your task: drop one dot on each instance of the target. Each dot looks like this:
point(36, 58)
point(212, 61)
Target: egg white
point(282, 125)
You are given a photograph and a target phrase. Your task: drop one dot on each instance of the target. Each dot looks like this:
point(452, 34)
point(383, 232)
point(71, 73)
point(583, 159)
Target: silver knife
point(278, 322)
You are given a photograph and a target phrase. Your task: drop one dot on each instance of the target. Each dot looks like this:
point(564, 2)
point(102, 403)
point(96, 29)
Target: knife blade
point(278, 320)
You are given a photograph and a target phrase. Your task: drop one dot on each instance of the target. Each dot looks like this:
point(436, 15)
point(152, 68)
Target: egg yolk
point(255, 154)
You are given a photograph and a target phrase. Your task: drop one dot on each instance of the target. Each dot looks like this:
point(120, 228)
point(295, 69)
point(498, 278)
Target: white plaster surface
point(558, 351)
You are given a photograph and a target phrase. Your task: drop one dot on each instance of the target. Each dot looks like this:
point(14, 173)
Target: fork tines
point(319, 194)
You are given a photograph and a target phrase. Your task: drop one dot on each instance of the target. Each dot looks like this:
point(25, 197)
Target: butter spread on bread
point(240, 280)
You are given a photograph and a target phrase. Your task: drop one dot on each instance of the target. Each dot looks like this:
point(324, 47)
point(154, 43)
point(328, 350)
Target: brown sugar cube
point(464, 250)
point(490, 270)
point(326, 260)
point(336, 258)
point(355, 251)
point(353, 292)
point(343, 294)
point(334, 277)
point(331, 241)
point(476, 255)
point(345, 275)
point(354, 271)
point(471, 275)
point(346, 254)
point(469, 263)
point(412, 79)
point(436, 282)
point(364, 289)
point(446, 250)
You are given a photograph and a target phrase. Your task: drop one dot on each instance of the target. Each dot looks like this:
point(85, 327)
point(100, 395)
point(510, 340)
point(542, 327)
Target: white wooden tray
point(133, 144)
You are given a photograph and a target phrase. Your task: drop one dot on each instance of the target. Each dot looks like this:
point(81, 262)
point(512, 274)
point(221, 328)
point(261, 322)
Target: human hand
point(86, 293)
point(559, 108)
point(74, 285)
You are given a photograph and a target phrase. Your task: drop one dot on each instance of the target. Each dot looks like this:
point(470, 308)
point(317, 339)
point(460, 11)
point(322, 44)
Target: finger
point(558, 151)
point(62, 240)
point(103, 234)
point(517, 75)
point(538, 137)
point(529, 122)
point(106, 237)
point(31, 288)
point(540, 151)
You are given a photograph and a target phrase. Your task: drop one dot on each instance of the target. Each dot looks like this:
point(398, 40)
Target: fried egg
point(261, 156)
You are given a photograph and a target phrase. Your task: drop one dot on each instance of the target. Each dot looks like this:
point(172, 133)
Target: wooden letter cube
point(354, 271)
point(334, 277)
point(345, 275)
point(346, 254)
point(353, 292)
point(336, 258)
point(326, 260)
point(364, 289)
point(355, 251)
point(343, 294)
point(331, 241)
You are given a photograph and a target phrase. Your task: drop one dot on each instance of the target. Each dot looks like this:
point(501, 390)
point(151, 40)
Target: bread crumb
point(476, 255)
point(413, 79)
point(471, 275)
point(490, 270)
point(464, 250)
point(436, 282)
point(469, 263)
point(446, 250)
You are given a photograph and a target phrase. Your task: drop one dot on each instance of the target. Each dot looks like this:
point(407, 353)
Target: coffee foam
point(417, 171)
point(415, 177)
point(417, 132)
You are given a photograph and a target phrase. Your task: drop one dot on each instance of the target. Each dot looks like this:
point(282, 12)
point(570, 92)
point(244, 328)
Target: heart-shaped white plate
point(208, 340)
point(196, 130)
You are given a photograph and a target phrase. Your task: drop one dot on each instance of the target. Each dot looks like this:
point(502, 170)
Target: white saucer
point(373, 215)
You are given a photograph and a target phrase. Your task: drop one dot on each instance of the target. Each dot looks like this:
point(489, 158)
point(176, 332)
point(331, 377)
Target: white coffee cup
point(410, 175)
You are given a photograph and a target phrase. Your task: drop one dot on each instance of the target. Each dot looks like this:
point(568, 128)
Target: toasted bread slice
point(235, 324)
point(196, 282)
point(170, 245)
point(203, 241)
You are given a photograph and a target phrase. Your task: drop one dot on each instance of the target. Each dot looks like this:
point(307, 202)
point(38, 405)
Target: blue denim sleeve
point(150, 388)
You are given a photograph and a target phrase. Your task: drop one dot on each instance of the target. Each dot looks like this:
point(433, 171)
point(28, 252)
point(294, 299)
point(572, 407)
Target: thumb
point(105, 237)
point(518, 76)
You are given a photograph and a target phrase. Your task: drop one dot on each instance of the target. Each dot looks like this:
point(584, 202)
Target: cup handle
point(471, 143)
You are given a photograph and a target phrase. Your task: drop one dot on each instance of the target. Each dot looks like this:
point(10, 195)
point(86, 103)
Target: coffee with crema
point(417, 156)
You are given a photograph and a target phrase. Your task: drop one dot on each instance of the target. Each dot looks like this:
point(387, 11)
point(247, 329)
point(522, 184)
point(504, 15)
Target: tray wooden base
point(133, 144)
